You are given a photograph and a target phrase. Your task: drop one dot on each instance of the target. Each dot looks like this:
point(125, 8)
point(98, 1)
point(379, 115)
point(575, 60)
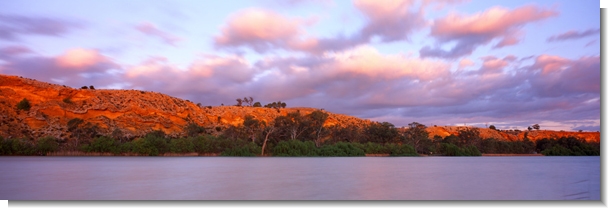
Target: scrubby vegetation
point(24, 105)
point(291, 135)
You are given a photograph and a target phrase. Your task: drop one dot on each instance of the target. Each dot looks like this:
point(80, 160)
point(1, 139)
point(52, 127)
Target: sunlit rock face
point(134, 112)
point(533, 135)
point(137, 113)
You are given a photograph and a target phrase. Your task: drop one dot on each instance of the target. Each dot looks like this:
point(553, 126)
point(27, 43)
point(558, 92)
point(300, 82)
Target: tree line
point(294, 134)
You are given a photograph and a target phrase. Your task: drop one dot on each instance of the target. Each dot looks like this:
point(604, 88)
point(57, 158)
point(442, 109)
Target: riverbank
point(194, 154)
point(492, 155)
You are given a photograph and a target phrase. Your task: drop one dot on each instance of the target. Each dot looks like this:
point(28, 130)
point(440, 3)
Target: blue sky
point(450, 62)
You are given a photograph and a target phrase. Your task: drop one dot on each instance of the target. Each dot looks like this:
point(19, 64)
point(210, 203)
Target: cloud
point(15, 50)
point(465, 63)
point(262, 30)
point(76, 67)
point(79, 58)
point(12, 27)
point(572, 34)
point(389, 20)
point(152, 30)
point(471, 31)
point(561, 77)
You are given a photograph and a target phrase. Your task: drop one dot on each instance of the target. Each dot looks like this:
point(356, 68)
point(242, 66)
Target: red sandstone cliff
point(133, 111)
point(139, 112)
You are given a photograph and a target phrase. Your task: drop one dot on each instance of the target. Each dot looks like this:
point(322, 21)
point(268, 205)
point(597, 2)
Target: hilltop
point(138, 112)
point(135, 112)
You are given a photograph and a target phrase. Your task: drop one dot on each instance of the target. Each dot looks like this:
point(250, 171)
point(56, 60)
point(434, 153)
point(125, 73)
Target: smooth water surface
point(264, 178)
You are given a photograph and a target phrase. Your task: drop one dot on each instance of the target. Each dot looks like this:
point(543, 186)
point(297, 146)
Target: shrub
point(84, 87)
point(340, 149)
point(24, 105)
point(248, 150)
point(16, 147)
point(557, 150)
point(181, 145)
point(46, 145)
point(375, 148)
point(295, 148)
point(103, 144)
point(401, 150)
point(67, 100)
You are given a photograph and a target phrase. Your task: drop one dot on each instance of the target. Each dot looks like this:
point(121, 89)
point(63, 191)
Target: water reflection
point(360, 178)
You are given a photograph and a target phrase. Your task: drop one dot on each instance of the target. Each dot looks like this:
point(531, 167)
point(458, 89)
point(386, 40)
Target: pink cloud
point(560, 76)
point(152, 30)
point(465, 63)
point(549, 64)
point(478, 29)
point(367, 61)
point(262, 30)
point(493, 63)
point(389, 20)
point(79, 58)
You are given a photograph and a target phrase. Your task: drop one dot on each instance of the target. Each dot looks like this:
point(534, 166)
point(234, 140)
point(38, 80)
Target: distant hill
point(137, 113)
point(133, 111)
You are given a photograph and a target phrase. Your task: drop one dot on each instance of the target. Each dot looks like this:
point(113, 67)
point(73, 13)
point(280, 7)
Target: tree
point(193, 129)
point(292, 125)
point(415, 135)
point(84, 87)
point(268, 129)
point(536, 126)
point(469, 136)
point(492, 127)
point(317, 119)
point(529, 128)
point(239, 102)
point(381, 132)
point(24, 105)
point(250, 101)
point(251, 125)
point(91, 87)
point(257, 104)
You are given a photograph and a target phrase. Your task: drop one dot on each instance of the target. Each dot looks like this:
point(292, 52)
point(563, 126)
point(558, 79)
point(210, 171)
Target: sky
point(510, 64)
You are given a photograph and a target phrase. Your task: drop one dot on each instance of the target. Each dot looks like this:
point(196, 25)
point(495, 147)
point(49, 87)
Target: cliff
point(138, 112)
point(511, 135)
point(135, 112)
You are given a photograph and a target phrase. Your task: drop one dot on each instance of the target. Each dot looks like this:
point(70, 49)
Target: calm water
point(222, 178)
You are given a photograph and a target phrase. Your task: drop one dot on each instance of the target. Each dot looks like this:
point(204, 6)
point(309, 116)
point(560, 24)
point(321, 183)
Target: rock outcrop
point(137, 113)
point(513, 135)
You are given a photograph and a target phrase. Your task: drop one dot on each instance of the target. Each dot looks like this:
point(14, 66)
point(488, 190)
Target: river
point(315, 178)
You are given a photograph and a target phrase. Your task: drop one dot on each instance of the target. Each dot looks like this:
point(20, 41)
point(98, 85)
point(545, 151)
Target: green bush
point(24, 105)
point(17, 147)
point(181, 145)
point(401, 150)
point(67, 100)
point(557, 150)
point(295, 148)
point(447, 149)
point(212, 144)
point(340, 149)
point(248, 150)
point(103, 144)
point(375, 148)
point(46, 145)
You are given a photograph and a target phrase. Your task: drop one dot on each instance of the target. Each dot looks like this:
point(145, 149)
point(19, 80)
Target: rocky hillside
point(512, 135)
point(135, 112)
point(138, 112)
